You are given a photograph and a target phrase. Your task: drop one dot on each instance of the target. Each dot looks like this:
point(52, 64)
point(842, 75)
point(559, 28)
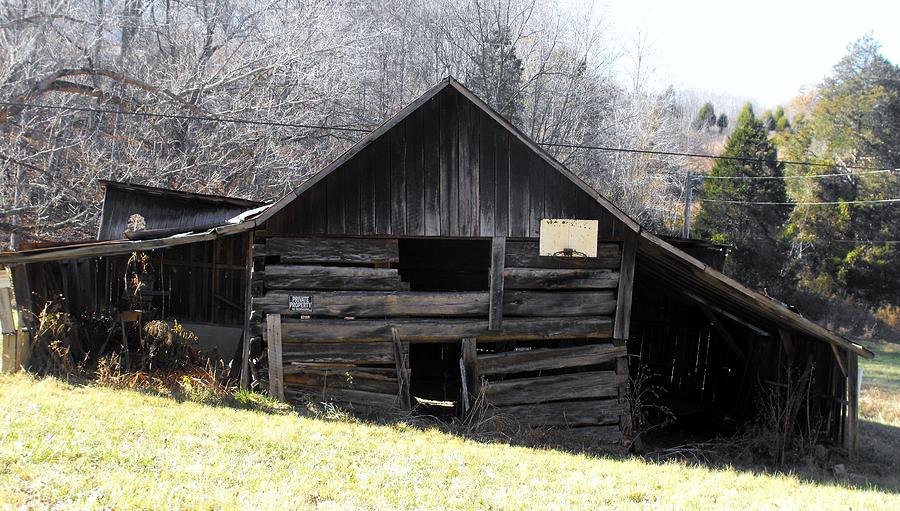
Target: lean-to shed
point(409, 271)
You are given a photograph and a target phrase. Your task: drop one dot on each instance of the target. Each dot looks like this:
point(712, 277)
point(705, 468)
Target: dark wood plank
point(366, 175)
point(338, 352)
point(401, 363)
point(561, 387)
point(273, 343)
point(519, 195)
point(351, 171)
point(432, 169)
point(558, 303)
point(540, 278)
point(280, 276)
point(487, 168)
point(536, 194)
point(380, 304)
point(382, 164)
point(470, 377)
point(317, 198)
point(449, 157)
point(851, 423)
point(23, 299)
point(334, 250)
point(443, 330)
point(415, 174)
point(498, 257)
point(547, 358)
point(350, 379)
point(564, 413)
point(469, 122)
point(334, 200)
point(501, 201)
point(526, 254)
point(626, 287)
point(397, 142)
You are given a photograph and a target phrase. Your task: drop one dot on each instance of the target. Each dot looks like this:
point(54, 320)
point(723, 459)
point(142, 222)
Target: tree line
point(829, 235)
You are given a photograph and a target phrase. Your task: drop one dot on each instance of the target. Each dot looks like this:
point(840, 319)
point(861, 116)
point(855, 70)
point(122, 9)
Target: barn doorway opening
point(441, 265)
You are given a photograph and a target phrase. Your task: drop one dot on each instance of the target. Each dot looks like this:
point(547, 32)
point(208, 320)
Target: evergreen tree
point(706, 117)
point(753, 230)
point(722, 122)
point(497, 75)
point(855, 121)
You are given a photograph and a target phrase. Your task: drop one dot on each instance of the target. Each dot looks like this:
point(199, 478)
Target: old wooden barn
point(409, 273)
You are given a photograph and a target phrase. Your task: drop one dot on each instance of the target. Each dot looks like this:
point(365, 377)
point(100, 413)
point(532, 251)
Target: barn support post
point(248, 310)
point(623, 319)
point(851, 420)
point(471, 379)
point(17, 340)
point(498, 262)
point(276, 366)
point(401, 364)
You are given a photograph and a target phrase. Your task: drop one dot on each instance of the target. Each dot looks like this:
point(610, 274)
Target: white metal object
point(564, 237)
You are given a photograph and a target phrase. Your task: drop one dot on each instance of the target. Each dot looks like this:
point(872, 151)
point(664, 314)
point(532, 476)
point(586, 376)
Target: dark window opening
point(445, 265)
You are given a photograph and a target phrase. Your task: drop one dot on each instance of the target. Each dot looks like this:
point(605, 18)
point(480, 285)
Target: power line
point(766, 203)
point(811, 176)
point(236, 120)
point(233, 120)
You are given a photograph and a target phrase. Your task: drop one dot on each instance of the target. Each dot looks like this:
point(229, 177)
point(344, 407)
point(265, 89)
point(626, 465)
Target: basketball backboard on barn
point(568, 238)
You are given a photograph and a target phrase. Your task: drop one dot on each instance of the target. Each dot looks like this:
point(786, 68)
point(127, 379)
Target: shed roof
point(667, 263)
point(163, 209)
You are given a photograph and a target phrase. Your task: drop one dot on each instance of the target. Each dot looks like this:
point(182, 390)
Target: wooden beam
point(723, 333)
point(381, 304)
point(547, 358)
point(276, 363)
point(339, 352)
point(755, 329)
point(626, 287)
point(444, 330)
point(248, 310)
point(401, 363)
point(498, 258)
point(280, 276)
point(839, 359)
point(851, 424)
point(563, 413)
point(321, 250)
point(542, 389)
point(526, 254)
point(541, 278)
point(471, 376)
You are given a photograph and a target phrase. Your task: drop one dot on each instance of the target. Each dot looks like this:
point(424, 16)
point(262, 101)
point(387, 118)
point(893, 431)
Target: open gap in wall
point(441, 265)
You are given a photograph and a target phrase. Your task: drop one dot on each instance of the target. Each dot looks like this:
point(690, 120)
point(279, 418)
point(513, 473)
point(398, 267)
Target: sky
point(764, 50)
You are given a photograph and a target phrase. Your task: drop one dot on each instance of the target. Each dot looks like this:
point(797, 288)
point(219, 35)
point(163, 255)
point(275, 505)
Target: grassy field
point(69, 447)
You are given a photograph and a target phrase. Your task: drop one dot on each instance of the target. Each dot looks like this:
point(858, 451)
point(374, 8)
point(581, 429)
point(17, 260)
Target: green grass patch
point(96, 447)
point(884, 369)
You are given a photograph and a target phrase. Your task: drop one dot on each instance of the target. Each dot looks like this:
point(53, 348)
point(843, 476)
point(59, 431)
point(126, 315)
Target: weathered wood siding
point(346, 347)
point(448, 169)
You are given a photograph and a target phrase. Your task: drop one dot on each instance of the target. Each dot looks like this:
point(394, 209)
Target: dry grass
point(91, 447)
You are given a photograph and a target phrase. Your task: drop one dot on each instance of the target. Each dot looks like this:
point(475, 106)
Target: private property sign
point(300, 303)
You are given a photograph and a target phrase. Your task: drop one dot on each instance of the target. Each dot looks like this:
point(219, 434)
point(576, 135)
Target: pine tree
point(753, 230)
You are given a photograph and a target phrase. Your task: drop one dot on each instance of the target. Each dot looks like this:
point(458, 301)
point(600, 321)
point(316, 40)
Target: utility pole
point(688, 200)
